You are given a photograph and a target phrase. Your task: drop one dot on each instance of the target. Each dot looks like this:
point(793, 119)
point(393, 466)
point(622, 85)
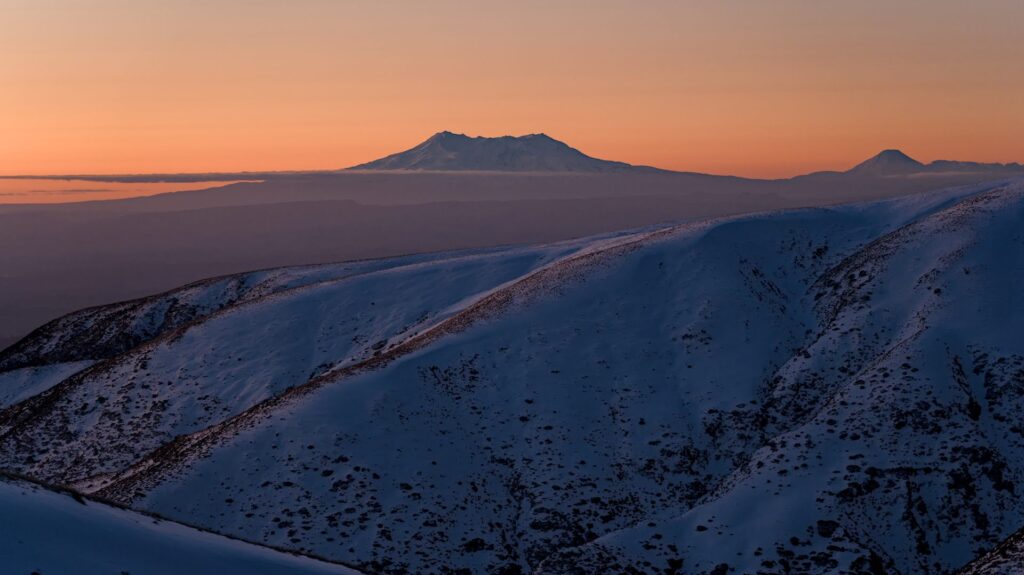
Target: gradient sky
point(753, 88)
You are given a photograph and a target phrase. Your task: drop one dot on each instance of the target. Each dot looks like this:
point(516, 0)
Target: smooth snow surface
point(52, 533)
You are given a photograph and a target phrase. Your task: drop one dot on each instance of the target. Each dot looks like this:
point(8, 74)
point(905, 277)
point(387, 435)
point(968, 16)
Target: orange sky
point(751, 88)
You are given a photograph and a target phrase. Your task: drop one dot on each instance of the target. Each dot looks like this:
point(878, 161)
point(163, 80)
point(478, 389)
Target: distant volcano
point(531, 153)
point(886, 163)
point(895, 163)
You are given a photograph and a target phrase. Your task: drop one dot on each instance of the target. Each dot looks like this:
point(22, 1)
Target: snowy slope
point(892, 440)
point(20, 384)
point(51, 532)
point(258, 344)
point(814, 391)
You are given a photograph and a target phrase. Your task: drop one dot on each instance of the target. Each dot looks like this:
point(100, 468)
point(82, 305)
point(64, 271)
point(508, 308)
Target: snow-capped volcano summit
point(888, 162)
point(530, 153)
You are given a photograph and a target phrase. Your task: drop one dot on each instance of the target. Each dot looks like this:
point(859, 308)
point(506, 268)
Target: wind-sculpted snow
point(48, 531)
point(815, 391)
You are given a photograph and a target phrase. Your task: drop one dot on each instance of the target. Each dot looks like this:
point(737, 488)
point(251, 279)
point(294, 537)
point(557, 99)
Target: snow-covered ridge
point(290, 331)
point(823, 391)
point(110, 330)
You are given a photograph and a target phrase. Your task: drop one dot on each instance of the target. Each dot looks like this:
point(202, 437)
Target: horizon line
point(354, 168)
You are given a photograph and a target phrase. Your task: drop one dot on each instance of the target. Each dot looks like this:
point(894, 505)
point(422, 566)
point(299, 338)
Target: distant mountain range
point(447, 151)
point(539, 153)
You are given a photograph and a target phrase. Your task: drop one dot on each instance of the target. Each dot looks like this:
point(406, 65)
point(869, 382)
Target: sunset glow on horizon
point(745, 88)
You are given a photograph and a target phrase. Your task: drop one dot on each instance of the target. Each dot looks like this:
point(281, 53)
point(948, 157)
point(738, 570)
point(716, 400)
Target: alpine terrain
point(826, 390)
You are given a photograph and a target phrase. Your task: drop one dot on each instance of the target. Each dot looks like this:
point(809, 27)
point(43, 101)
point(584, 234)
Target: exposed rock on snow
point(813, 391)
point(1006, 559)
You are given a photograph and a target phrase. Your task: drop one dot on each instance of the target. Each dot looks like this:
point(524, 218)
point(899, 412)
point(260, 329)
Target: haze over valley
point(451, 191)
